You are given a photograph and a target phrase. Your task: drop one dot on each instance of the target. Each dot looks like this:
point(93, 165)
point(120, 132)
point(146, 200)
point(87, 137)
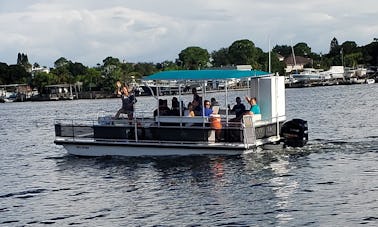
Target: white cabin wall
point(270, 94)
point(254, 89)
point(281, 98)
point(265, 98)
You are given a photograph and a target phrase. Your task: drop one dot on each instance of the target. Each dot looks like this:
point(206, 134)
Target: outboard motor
point(294, 133)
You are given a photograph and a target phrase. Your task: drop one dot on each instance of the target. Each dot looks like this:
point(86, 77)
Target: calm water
point(331, 182)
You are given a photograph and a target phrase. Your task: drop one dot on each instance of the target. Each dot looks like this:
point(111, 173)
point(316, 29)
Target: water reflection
point(285, 187)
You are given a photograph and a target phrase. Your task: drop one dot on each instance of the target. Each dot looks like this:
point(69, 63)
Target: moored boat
point(370, 81)
point(218, 134)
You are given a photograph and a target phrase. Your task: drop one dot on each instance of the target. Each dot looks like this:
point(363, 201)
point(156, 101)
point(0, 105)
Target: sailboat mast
point(295, 61)
point(270, 65)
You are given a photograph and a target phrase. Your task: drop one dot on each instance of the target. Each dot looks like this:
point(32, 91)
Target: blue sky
point(88, 31)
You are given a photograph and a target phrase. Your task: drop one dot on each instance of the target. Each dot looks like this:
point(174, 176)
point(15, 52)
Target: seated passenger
point(255, 109)
point(197, 108)
point(238, 108)
point(207, 109)
point(163, 109)
point(214, 102)
point(190, 110)
point(175, 110)
point(196, 96)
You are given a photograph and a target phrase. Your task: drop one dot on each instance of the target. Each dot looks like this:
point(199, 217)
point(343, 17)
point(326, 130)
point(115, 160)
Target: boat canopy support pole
point(203, 101)
point(226, 92)
point(276, 103)
point(157, 95)
point(180, 103)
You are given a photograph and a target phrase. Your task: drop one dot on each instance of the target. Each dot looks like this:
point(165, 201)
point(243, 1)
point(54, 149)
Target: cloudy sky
point(88, 31)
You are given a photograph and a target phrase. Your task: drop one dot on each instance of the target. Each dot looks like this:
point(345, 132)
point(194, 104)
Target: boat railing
point(165, 129)
point(74, 128)
point(248, 131)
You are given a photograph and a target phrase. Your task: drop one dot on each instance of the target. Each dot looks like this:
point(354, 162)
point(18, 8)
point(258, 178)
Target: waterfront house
point(297, 64)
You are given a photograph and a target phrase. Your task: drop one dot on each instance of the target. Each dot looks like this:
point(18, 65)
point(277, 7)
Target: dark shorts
point(126, 111)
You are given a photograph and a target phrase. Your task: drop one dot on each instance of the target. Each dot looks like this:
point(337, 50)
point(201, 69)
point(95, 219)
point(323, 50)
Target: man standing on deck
point(128, 101)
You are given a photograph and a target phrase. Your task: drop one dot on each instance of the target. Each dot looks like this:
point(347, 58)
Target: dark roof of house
point(299, 60)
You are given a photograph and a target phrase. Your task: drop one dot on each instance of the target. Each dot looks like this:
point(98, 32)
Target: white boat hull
point(95, 149)
point(370, 81)
point(135, 151)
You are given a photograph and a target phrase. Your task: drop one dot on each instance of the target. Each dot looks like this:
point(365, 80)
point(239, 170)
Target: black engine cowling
point(294, 133)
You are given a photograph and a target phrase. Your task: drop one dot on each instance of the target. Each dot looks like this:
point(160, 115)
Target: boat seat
point(256, 117)
point(184, 119)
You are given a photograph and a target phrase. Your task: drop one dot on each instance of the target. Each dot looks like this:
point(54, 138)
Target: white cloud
point(88, 31)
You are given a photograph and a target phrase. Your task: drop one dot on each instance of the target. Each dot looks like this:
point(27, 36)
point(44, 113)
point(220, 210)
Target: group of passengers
point(194, 107)
point(164, 110)
point(240, 110)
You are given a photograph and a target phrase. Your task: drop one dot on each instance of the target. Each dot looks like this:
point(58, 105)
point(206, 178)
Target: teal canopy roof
point(205, 74)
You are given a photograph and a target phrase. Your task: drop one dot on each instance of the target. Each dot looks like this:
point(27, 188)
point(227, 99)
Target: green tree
point(18, 74)
point(370, 53)
point(302, 49)
point(349, 47)
point(353, 59)
point(276, 64)
point(125, 70)
point(4, 75)
point(283, 50)
point(76, 69)
point(22, 59)
point(334, 57)
point(90, 79)
point(145, 69)
point(63, 75)
point(334, 48)
point(111, 61)
point(127, 67)
point(194, 57)
point(220, 57)
point(243, 52)
point(60, 62)
point(167, 65)
point(42, 79)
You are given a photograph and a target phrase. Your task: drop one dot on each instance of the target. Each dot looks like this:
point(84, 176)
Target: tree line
point(103, 77)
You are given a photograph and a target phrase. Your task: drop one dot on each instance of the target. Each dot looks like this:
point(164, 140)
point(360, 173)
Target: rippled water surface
point(333, 181)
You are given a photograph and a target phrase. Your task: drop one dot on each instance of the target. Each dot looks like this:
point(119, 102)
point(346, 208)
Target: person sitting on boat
point(197, 108)
point(163, 109)
point(190, 111)
point(214, 102)
point(128, 101)
point(207, 109)
point(238, 108)
point(255, 108)
point(175, 110)
point(197, 102)
point(195, 95)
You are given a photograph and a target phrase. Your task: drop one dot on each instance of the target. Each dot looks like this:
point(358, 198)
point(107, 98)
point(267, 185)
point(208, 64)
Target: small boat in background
point(370, 81)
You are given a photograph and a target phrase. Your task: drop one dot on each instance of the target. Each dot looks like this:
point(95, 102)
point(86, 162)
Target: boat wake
point(324, 146)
